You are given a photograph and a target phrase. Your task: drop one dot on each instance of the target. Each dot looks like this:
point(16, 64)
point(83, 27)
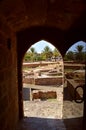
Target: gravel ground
point(52, 114)
point(43, 115)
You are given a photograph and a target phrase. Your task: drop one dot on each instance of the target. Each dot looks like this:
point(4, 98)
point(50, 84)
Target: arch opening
point(74, 69)
point(60, 48)
point(43, 80)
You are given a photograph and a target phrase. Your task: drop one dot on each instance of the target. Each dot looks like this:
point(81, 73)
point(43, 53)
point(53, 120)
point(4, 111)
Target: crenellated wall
point(8, 79)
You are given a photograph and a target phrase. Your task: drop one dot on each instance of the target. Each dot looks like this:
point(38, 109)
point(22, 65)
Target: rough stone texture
point(72, 87)
point(43, 81)
point(29, 80)
point(48, 81)
point(8, 80)
point(44, 95)
point(59, 22)
point(72, 112)
point(21, 14)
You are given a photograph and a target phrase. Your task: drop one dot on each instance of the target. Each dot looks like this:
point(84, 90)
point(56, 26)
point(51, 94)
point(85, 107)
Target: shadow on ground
point(74, 123)
point(26, 95)
point(35, 123)
point(67, 96)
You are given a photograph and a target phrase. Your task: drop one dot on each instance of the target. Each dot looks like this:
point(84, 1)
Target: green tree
point(79, 48)
point(56, 53)
point(32, 49)
point(27, 56)
point(47, 53)
point(33, 54)
point(39, 57)
point(69, 56)
point(79, 54)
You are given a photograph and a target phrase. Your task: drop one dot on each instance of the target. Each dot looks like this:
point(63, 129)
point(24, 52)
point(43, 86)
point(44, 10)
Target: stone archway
point(55, 111)
point(27, 37)
point(51, 69)
point(74, 72)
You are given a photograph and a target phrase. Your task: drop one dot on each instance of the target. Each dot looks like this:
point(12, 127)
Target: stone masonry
point(8, 80)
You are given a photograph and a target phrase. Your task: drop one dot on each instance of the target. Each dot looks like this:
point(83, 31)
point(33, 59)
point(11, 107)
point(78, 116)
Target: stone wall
point(44, 95)
point(71, 84)
point(8, 79)
point(29, 80)
point(36, 64)
point(44, 81)
point(48, 81)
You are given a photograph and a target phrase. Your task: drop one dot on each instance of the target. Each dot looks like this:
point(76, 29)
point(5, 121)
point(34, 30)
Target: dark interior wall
point(62, 40)
point(32, 35)
point(8, 79)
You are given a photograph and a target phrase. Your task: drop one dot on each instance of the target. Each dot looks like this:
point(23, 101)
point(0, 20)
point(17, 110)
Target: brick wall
point(8, 79)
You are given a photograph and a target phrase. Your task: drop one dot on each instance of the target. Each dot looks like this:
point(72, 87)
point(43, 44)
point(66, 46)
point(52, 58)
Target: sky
point(73, 47)
point(39, 46)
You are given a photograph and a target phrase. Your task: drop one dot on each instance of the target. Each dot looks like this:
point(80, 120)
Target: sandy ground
point(57, 114)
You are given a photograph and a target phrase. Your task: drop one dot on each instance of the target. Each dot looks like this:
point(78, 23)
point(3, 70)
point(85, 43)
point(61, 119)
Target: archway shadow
point(26, 93)
point(38, 123)
point(67, 95)
point(74, 123)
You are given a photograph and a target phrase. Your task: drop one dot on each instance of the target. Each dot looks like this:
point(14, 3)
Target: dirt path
point(43, 115)
point(52, 114)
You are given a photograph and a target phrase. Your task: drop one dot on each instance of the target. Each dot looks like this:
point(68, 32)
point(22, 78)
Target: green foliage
point(56, 53)
point(78, 56)
point(47, 53)
point(32, 49)
point(27, 56)
point(32, 55)
point(79, 48)
point(69, 56)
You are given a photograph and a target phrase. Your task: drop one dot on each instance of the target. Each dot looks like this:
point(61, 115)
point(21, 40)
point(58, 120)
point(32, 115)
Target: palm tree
point(47, 52)
point(33, 53)
point(56, 53)
point(79, 53)
point(79, 48)
point(32, 49)
point(69, 55)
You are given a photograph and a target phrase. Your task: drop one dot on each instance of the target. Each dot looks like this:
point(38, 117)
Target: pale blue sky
point(73, 47)
point(39, 46)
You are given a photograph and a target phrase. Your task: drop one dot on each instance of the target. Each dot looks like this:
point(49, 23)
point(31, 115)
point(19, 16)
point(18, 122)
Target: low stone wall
point(29, 80)
point(44, 81)
point(44, 95)
point(48, 81)
point(74, 66)
point(71, 84)
point(36, 64)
